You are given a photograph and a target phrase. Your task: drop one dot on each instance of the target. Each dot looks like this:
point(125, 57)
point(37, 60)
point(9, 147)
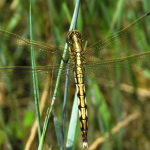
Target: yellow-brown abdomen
point(77, 59)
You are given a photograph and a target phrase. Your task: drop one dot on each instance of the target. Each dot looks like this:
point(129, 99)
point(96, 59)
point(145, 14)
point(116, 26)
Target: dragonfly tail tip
point(85, 144)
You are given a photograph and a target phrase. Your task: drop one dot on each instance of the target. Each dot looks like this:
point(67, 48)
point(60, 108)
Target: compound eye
point(82, 40)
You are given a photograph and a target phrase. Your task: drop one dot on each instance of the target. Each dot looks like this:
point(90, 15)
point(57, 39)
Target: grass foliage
point(107, 106)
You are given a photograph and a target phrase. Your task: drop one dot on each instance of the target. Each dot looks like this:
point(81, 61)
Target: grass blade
point(73, 25)
point(65, 102)
point(58, 132)
point(35, 80)
point(9, 146)
point(73, 123)
point(117, 15)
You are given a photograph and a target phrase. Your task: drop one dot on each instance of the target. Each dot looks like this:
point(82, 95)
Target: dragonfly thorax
point(75, 42)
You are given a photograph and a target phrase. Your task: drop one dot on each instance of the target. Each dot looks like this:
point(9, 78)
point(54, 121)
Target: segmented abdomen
point(78, 62)
point(82, 106)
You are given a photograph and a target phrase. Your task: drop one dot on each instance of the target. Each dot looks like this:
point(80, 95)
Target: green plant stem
point(73, 25)
point(35, 82)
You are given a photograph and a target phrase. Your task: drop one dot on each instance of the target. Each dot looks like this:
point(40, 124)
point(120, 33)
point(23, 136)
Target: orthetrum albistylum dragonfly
point(103, 63)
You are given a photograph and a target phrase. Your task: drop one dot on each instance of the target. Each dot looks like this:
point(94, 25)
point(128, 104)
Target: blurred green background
point(106, 106)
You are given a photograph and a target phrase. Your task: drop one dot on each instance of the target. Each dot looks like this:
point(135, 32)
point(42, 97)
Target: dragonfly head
point(73, 33)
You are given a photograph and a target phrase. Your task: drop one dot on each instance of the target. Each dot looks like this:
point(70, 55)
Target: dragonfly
point(104, 62)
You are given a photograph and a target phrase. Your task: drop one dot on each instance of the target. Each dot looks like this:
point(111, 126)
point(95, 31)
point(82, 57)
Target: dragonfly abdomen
point(82, 106)
point(77, 61)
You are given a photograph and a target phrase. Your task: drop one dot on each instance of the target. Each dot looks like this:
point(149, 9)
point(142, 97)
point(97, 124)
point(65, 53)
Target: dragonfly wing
point(117, 45)
point(112, 71)
point(22, 77)
point(20, 48)
point(16, 55)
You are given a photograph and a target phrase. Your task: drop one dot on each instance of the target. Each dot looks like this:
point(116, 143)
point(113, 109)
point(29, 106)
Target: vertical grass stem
point(35, 80)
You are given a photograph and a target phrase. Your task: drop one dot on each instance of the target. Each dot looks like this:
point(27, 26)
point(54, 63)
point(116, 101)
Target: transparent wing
point(18, 48)
point(15, 63)
point(118, 57)
point(119, 45)
point(112, 71)
point(23, 76)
